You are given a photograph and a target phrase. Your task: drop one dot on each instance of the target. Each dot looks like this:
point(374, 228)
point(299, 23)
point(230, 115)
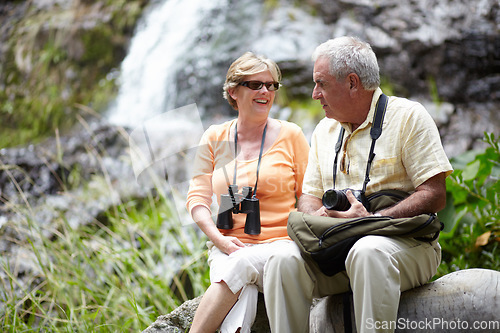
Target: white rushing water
point(202, 37)
point(147, 75)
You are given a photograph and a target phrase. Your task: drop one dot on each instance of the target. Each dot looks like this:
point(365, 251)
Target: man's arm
point(311, 205)
point(429, 197)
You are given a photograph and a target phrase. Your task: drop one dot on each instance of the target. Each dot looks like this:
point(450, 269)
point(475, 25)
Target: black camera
point(337, 199)
point(235, 203)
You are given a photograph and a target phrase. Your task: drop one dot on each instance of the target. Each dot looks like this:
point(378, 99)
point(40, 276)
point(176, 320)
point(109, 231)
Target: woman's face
point(254, 103)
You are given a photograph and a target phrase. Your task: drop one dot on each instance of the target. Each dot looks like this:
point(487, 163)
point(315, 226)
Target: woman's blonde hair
point(247, 64)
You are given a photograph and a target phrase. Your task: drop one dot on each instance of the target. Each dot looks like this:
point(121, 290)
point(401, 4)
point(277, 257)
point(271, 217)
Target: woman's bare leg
point(214, 306)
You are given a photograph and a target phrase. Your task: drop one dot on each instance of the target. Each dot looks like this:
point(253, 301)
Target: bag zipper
point(347, 224)
point(429, 221)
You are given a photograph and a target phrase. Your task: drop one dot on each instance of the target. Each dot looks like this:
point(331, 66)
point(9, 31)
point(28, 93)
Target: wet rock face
point(433, 51)
point(38, 170)
point(455, 43)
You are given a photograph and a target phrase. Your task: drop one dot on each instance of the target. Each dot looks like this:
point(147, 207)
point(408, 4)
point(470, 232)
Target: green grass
point(113, 275)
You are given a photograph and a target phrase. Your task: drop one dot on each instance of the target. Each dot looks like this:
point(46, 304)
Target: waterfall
point(182, 49)
point(147, 77)
point(161, 134)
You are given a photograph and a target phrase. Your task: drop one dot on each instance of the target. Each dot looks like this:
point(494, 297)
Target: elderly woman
point(252, 151)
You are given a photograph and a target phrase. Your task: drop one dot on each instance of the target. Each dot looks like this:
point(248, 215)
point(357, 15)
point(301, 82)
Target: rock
point(452, 303)
point(176, 321)
point(181, 318)
point(438, 52)
point(39, 170)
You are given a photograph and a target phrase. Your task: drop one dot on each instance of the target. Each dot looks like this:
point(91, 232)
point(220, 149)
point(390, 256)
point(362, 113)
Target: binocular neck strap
point(375, 132)
point(236, 154)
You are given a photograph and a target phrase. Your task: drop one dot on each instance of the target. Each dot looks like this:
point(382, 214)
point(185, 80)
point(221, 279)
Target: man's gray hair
point(350, 55)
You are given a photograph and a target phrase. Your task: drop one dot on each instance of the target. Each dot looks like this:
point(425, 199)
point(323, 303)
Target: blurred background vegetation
point(58, 63)
point(109, 276)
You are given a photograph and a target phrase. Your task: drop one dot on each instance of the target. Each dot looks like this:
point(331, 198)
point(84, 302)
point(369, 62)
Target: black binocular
point(235, 203)
point(337, 199)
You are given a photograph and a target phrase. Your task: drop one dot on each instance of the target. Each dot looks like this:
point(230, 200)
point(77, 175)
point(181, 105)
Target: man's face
point(333, 95)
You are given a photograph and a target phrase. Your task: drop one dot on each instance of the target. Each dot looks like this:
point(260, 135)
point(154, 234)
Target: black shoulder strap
point(375, 132)
point(378, 117)
point(346, 300)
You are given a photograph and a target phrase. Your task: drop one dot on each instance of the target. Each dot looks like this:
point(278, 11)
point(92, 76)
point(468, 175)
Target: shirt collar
point(369, 118)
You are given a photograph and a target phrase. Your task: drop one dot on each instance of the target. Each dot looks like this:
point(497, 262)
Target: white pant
point(242, 270)
point(378, 269)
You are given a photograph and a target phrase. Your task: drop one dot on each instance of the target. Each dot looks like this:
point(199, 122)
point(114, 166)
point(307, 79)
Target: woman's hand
point(228, 244)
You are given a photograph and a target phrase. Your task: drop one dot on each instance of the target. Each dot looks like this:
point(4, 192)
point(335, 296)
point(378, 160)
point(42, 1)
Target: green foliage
point(270, 5)
point(117, 274)
point(387, 86)
point(472, 216)
point(51, 67)
point(97, 47)
point(301, 110)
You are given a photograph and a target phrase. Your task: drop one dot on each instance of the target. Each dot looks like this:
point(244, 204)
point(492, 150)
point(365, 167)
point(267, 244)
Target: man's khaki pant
point(378, 269)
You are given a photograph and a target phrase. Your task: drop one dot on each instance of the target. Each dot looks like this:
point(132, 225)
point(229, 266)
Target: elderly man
point(409, 157)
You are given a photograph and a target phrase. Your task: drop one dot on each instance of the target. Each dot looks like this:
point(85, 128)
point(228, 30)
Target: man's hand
point(356, 210)
point(312, 205)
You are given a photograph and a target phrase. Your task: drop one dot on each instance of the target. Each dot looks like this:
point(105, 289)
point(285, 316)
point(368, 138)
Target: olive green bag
point(327, 240)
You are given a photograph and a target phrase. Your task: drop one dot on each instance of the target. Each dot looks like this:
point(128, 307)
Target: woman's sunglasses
point(257, 85)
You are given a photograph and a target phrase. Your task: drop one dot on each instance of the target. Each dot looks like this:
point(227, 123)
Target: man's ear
point(354, 81)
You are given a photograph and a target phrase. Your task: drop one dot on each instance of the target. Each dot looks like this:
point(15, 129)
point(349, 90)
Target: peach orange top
point(280, 178)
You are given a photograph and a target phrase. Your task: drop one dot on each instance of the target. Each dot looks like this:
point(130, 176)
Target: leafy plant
point(117, 274)
point(43, 78)
point(472, 216)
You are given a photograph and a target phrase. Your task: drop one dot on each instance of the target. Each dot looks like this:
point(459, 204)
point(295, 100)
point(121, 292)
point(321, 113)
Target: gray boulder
point(455, 302)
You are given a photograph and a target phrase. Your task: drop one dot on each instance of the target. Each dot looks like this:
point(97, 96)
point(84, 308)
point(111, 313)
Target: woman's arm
point(227, 244)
